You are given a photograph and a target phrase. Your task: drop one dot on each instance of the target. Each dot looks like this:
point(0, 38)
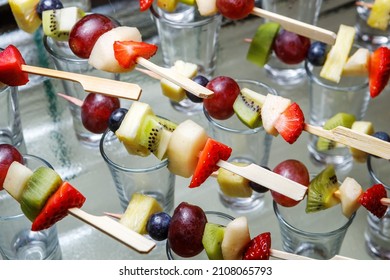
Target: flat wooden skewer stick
point(298, 27)
point(282, 255)
point(176, 78)
point(115, 230)
point(90, 83)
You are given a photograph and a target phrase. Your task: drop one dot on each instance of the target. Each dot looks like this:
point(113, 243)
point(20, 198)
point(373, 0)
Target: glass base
point(242, 205)
point(285, 77)
point(187, 107)
point(314, 251)
point(377, 236)
point(90, 140)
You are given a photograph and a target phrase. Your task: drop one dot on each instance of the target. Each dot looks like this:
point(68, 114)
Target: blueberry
point(44, 5)
point(317, 53)
point(259, 188)
point(203, 81)
point(158, 225)
point(116, 118)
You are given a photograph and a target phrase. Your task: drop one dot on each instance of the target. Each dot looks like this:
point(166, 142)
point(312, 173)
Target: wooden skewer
point(385, 201)
point(91, 83)
point(115, 230)
point(176, 78)
point(298, 27)
point(358, 140)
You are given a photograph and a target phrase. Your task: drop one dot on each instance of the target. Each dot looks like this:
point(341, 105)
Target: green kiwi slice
point(247, 107)
point(340, 119)
point(260, 48)
point(42, 184)
point(321, 189)
point(212, 239)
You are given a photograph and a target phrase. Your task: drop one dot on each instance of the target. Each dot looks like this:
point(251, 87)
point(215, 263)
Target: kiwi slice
point(260, 48)
point(212, 239)
point(167, 124)
point(247, 107)
point(59, 22)
point(42, 184)
point(320, 192)
point(340, 119)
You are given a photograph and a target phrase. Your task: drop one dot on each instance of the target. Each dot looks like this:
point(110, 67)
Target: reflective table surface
point(48, 133)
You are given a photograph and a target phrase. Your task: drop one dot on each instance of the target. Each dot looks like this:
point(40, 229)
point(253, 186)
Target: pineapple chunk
point(362, 127)
point(25, 14)
point(358, 63)
point(349, 193)
point(338, 54)
point(379, 15)
point(138, 212)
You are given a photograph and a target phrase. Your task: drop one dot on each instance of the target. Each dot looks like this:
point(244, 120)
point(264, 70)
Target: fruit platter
point(48, 133)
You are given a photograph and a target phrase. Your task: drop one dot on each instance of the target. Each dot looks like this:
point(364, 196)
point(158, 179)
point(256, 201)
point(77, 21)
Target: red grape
point(235, 9)
point(293, 170)
point(96, 111)
point(8, 154)
point(291, 48)
point(226, 90)
point(86, 31)
point(186, 230)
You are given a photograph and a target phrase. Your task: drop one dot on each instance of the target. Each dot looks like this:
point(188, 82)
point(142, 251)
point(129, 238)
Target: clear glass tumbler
point(248, 146)
point(136, 174)
point(350, 95)
point(316, 235)
point(186, 35)
point(17, 241)
point(377, 234)
point(303, 10)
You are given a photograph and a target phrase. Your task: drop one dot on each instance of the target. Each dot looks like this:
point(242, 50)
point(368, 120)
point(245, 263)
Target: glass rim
point(245, 131)
point(373, 174)
point(116, 166)
point(205, 20)
point(58, 56)
point(168, 250)
point(311, 234)
point(312, 77)
point(25, 157)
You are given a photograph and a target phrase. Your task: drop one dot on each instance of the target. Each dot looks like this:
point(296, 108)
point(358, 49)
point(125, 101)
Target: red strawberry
point(212, 152)
point(145, 4)
point(291, 122)
point(379, 71)
point(11, 62)
point(258, 248)
point(56, 207)
point(371, 200)
point(127, 52)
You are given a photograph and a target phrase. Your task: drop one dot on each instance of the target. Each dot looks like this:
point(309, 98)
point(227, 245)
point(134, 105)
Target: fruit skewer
point(252, 172)
point(342, 135)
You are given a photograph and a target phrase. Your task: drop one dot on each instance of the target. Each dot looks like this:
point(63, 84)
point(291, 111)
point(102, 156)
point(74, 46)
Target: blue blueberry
point(158, 225)
point(317, 53)
point(259, 188)
point(44, 5)
point(203, 81)
point(116, 118)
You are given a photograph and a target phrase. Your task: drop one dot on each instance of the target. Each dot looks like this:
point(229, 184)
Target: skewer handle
point(354, 139)
point(90, 83)
point(298, 27)
point(290, 256)
point(115, 230)
point(268, 179)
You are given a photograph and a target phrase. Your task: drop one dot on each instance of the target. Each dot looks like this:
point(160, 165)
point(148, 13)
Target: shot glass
point(316, 235)
point(372, 38)
point(215, 217)
point(248, 146)
point(17, 241)
point(377, 234)
point(136, 174)
point(11, 131)
point(350, 95)
point(65, 60)
point(303, 10)
point(186, 35)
